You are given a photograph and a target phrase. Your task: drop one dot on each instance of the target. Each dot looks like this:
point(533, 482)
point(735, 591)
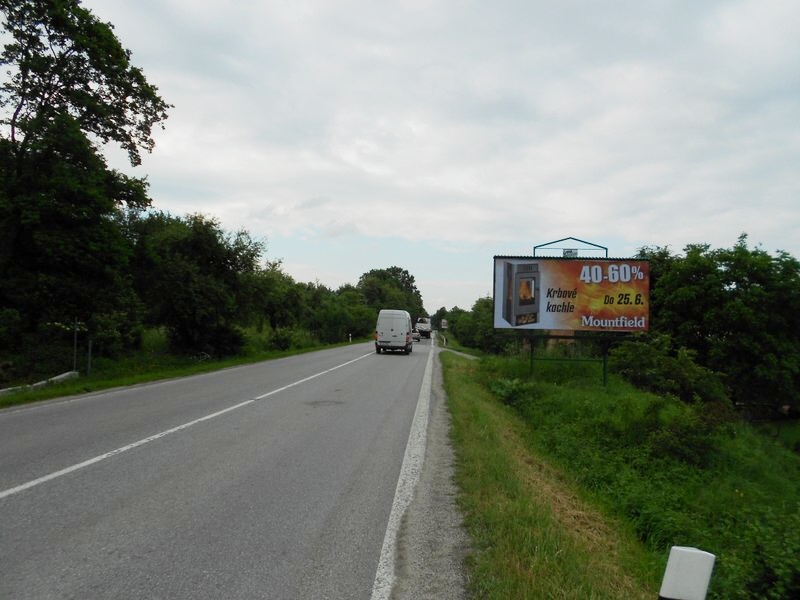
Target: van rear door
point(393, 330)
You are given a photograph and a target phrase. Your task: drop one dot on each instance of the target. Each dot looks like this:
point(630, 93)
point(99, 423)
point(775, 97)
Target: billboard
point(592, 294)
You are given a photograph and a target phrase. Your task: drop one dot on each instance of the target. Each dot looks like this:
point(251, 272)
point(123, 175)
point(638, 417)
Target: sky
point(432, 135)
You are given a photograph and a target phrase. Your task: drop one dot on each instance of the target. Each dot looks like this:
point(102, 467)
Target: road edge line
point(406, 484)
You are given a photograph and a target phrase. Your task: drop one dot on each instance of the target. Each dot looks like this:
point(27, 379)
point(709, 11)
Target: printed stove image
point(521, 305)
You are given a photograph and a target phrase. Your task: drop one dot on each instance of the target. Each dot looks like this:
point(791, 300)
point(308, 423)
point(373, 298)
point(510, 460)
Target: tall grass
point(658, 465)
point(535, 537)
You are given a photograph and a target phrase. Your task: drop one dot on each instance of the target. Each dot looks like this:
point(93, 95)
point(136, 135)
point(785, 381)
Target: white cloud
point(490, 127)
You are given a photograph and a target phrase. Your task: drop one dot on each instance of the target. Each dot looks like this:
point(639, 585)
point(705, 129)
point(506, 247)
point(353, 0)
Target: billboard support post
point(533, 338)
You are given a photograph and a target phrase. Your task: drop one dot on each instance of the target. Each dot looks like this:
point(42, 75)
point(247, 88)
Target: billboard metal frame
point(598, 246)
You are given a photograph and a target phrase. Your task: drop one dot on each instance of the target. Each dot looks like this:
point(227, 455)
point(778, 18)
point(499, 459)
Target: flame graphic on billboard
point(574, 294)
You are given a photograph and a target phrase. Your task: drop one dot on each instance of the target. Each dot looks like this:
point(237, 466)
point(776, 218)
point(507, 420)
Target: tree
point(273, 297)
point(476, 327)
point(738, 311)
point(360, 318)
point(437, 317)
point(391, 288)
point(64, 61)
point(191, 276)
point(69, 86)
point(458, 320)
point(683, 295)
point(63, 256)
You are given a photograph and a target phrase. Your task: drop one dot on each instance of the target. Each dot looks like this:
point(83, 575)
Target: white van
point(393, 331)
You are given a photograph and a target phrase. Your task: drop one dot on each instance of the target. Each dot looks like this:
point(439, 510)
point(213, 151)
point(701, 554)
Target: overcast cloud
point(432, 135)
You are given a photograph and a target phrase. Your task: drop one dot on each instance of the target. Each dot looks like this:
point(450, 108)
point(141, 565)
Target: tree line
point(725, 329)
point(83, 249)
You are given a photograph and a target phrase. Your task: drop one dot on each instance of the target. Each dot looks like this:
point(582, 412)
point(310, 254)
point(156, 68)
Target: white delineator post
point(687, 575)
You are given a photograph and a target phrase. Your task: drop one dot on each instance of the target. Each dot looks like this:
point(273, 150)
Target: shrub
point(217, 339)
point(281, 339)
point(513, 392)
point(287, 338)
point(650, 364)
point(10, 328)
point(681, 436)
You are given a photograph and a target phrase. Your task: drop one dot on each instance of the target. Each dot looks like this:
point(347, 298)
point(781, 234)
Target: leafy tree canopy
point(191, 275)
point(738, 309)
point(62, 255)
point(68, 86)
point(63, 61)
point(392, 288)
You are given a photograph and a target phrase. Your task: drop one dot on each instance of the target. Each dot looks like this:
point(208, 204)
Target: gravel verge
point(432, 543)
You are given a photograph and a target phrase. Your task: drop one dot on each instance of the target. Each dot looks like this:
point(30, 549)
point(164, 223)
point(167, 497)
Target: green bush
point(513, 391)
point(288, 338)
point(215, 339)
point(281, 339)
point(10, 328)
point(114, 333)
point(651, 364)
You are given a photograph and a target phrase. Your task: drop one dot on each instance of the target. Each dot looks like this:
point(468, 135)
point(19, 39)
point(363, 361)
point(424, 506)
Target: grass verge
point(449, 342)
point(152, 363)
point(651, 471)
point(535, 536)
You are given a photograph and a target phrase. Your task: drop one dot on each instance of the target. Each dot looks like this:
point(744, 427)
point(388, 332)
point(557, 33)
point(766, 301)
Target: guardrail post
point(687, 575)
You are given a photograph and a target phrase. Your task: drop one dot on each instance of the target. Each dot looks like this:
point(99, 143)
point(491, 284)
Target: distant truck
point(424, 327)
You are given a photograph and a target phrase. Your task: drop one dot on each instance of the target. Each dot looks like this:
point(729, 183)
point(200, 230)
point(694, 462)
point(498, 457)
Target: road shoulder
point(432, 543)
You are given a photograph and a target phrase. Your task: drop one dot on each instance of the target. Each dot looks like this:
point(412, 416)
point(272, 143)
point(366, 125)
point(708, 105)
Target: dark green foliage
point(737, 311)
point(10, 328)
point(650, 363)
point(75, 249)
point(272, 297)
point(475, 329)
point(343, 314)
point(513, 392)
point(281, 339)
point(53, 344)
point(63, 256)
point(436, 318)
point(391, 288)
point(190, 274)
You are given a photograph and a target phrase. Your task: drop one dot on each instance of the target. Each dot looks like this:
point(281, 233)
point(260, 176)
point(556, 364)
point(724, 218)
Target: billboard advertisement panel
point(593, 294)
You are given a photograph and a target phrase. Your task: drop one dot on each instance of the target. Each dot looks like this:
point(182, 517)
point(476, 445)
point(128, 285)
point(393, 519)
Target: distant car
point(415, 334)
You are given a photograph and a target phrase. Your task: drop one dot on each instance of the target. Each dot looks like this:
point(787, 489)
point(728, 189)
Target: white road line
point(120, 450)
point(97, 459)
point(406, 484)
point(291, 385)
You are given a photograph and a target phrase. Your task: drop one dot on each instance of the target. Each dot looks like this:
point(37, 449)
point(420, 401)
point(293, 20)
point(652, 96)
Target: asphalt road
point(274, 480)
